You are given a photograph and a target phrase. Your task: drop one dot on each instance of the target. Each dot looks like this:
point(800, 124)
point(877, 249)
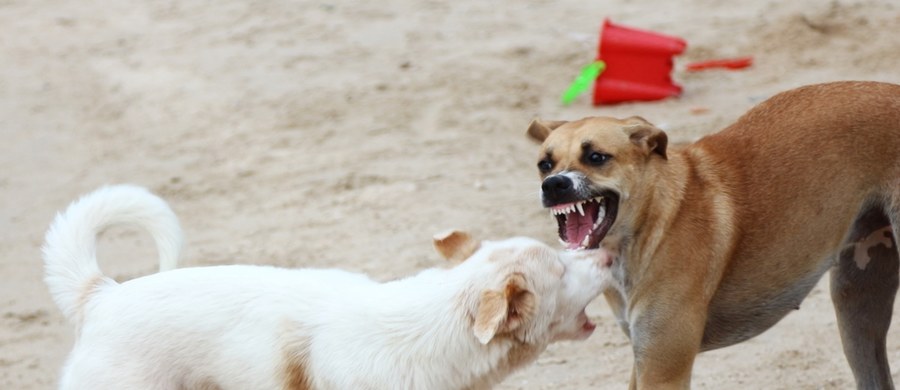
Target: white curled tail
point(70, 246)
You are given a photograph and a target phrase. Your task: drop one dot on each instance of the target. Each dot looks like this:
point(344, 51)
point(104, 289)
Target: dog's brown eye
point(545, 166)
point(597, 158)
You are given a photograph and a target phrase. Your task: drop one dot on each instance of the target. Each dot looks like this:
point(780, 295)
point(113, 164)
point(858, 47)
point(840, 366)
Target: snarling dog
point(717, 240)
point(258, 327)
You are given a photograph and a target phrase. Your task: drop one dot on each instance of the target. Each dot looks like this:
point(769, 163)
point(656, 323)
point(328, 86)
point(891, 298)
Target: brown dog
point(719, 240)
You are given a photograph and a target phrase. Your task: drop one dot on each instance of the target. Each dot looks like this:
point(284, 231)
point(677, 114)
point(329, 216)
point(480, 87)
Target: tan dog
point(719, 240)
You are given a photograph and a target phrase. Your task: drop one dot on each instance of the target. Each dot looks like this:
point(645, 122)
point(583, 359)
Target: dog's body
point(257, 327)
point(719, 240)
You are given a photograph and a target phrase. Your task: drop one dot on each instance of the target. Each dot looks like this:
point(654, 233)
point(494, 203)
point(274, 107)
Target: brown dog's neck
point(674, 187)
point(650, 210)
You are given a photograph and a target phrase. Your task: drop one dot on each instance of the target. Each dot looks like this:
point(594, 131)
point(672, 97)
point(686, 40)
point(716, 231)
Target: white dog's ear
point(538, 130)
point(455, 245)
point(648, 137)
point(504, 311)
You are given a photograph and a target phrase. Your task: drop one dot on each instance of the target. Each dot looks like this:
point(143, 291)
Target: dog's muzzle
point(558, 189)
point(583, 215)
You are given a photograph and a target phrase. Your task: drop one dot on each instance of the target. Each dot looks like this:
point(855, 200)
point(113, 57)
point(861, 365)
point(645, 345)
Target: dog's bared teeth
point(586, 240)
point(598, 199)
point(601, 214)
point(580, 209)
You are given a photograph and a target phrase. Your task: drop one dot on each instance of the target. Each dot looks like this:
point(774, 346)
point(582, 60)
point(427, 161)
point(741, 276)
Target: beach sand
point(345, 134)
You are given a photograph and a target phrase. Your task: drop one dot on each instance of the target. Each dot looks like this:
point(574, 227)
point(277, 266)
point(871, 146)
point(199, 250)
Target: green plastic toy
point(581, 83)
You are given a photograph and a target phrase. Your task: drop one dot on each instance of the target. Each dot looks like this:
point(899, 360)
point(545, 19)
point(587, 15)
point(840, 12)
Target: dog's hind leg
point(863, 285)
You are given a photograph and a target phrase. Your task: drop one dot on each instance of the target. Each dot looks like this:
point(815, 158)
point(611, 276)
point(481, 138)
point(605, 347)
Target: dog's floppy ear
point(504, 311)
point(455, 245)
point(538, 130)
point(647, 136)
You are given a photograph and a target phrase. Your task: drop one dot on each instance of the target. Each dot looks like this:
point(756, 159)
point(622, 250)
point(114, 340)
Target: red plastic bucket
point(638, 64)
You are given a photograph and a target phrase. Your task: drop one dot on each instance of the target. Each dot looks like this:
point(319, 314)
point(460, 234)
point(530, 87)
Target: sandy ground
point(345, 134)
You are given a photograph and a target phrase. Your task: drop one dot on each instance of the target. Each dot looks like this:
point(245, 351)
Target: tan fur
point(296, 358)
point(455, 245)
point(503, 311)
point(296, 376)
point(720, 239)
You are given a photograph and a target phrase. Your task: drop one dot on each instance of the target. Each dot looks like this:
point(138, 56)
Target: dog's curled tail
point(70, 256)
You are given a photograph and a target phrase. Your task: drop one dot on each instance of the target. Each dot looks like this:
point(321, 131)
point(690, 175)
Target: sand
point(344, 134)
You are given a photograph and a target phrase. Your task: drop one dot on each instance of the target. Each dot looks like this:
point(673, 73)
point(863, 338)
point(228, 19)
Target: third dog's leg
point(863, 285)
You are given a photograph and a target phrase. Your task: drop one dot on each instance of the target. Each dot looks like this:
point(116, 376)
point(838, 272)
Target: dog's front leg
point(665, 339)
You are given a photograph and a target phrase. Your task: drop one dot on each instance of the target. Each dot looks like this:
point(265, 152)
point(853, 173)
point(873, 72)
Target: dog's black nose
point(556, 183)
point(556, 188)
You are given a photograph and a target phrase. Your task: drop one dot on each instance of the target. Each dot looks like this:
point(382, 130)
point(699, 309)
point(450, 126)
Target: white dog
point(257, 327)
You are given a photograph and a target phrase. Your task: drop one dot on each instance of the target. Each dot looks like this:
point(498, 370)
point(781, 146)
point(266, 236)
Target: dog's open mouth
point(583, 224)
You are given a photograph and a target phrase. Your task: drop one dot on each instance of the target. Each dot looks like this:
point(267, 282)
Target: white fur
point(70, 250)
point(237, 327)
